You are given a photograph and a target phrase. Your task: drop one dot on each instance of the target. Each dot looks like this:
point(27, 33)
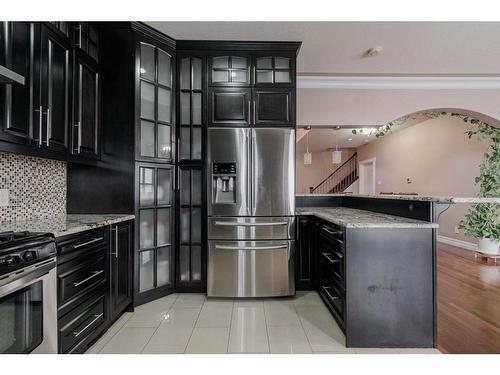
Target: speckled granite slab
point(69, 224)
point(353, 218)
point(450, 200)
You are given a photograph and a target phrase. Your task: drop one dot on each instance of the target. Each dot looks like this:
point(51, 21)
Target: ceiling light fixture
point(308, 157)
point(336, 155)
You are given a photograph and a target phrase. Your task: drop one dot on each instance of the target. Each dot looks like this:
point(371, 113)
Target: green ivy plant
point(481, 221)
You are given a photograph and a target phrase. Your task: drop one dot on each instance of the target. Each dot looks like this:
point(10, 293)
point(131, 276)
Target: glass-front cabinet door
point(191, 224)
point(274, 71)
point(191, 117)
point(156, 104)
point(230, 70)
point(154, 254)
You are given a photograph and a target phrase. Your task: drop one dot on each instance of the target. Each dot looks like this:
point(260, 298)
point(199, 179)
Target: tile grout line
point(118, 330)
point(194, 326)
point(267, 331)
point(230, 328)
point(157, 328)
point(303, 329)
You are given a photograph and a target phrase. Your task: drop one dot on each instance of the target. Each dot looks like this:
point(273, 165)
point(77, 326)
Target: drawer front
point(77, 277)
point(82, 322)
point(335, 297)
point(249, 228)
point(333, 233)
point(81, 244)
point(334, 261)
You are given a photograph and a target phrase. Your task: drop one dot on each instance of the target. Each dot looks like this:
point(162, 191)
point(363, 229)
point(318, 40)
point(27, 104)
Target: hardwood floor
point(468, 303)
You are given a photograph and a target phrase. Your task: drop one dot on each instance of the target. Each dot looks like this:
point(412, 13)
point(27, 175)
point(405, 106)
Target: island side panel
point(390, 288)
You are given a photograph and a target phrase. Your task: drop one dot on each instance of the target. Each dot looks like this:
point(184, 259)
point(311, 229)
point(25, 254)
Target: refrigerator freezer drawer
point(251, 228)
point(250, 268)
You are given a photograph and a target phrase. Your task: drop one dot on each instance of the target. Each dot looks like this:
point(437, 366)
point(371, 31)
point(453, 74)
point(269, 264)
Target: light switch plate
point(4, 197)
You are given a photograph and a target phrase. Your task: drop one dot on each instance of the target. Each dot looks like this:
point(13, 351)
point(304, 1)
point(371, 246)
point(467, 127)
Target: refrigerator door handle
point(249, 173)
point(226, 247)
point(237, 224)
point(253, 164)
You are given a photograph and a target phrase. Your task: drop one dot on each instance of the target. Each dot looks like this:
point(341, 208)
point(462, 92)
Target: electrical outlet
point(408, 180)
point(4, 197)
point(456, 230)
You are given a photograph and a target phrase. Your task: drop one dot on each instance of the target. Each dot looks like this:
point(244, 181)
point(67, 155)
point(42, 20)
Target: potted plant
point(482, 219)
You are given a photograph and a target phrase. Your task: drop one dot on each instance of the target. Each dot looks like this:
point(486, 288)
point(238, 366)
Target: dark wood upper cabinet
point(274, 70)
point(86, 39)
point(230, 70)
point(17, 52)
point(54, 99)
point(85, 130)
point(273, 107)
point(230, 106)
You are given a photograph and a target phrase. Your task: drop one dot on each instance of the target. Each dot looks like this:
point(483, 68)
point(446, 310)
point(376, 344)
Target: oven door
point(28, 310)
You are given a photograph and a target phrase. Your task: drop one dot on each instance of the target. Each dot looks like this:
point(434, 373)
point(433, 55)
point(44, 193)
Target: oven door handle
point(94, 274)
point(236, 224)
point(96, 318)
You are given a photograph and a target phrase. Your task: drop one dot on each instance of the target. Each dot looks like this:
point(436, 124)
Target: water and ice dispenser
point(224, 182)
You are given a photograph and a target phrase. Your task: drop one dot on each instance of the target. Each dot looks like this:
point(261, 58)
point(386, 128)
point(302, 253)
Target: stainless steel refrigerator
point(251, 208)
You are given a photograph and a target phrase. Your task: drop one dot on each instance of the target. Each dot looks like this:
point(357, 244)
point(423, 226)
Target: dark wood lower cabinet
point(376, 282)
point(94, 283)
point(121, 267)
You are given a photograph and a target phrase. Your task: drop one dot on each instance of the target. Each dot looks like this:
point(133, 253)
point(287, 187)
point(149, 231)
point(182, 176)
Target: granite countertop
point(437, 199)
point(69, 224)
point(353, 218)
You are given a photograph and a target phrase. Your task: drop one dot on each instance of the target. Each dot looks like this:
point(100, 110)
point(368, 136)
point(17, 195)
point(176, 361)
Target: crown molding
point(399, 82)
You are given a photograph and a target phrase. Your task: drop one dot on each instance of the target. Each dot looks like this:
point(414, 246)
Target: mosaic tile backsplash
point(37, 187)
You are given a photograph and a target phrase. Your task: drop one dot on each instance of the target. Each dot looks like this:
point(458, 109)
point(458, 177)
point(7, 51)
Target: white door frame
point(362, 165)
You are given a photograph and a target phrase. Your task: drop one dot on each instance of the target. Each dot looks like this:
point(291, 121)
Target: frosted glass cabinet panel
point(190, 226)
point(230, 70)
point(156, 225)
point(191, 108)
point(156, 85)
point(274, 70)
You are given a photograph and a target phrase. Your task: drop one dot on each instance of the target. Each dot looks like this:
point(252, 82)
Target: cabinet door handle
point(253, 73)
point(88, 242)
point(325, 289)
point(249, 113)
point(96, 318)
point(254, 113)
point(78, 137)
point(94, 274)
point(40, 120)
point(116, 242)
point(329, 257)
point(49, 126)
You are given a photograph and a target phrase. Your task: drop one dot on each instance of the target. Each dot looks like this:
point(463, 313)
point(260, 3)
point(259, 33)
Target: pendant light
point(308, 156)
point(336, 155)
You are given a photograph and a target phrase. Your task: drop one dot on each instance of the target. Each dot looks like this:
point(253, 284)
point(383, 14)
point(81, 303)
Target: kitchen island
point(373, 263)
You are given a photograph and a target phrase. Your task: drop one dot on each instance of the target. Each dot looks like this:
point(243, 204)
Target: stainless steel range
point(28, 302)
point(251, 208)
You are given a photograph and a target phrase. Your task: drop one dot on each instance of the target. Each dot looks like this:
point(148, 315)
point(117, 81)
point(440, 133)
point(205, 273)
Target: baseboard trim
point(458, 243)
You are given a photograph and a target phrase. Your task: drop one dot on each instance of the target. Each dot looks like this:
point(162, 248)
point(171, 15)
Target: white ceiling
point(452, 48)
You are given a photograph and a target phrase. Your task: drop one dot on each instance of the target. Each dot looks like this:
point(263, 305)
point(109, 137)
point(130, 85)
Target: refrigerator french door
point(251, 207)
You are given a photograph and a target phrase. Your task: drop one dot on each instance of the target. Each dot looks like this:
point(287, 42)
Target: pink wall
point(321, 167)
point(437, 156)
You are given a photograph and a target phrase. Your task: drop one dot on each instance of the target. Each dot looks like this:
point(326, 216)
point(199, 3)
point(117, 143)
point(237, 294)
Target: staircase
point(340, 179)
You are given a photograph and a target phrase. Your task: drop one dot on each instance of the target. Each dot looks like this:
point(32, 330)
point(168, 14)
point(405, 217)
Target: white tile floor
point(191, 323)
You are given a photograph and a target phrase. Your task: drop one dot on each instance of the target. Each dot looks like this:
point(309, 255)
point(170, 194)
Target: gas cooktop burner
point(19, 249)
